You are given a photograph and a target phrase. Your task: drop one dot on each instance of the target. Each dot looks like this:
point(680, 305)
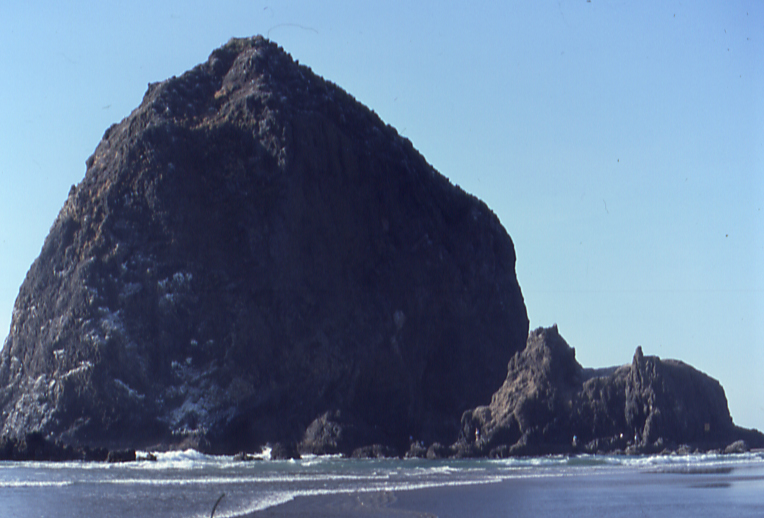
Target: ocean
point(189, 485)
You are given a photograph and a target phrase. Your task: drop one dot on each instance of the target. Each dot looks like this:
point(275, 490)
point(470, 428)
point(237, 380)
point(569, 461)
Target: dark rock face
point(121, 456)
point(34, 447)
point(250, 249)
point(550, 404)
point(336, 432)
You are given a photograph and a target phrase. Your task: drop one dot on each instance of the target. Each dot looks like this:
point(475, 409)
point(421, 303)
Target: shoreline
point(377, 504)
point(384, 503)
point(189, 485)
point(608, 493)
point(35, 447)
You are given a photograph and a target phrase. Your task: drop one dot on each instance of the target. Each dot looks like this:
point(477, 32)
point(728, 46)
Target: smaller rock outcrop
point(549, 403)
point(119, 456)
point(337, 432)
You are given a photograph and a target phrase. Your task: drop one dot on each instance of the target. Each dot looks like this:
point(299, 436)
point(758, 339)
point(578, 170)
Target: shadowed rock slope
point(252, 251)
point(550, 404)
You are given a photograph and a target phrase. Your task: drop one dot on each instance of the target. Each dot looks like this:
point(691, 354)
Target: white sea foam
point(33, 483)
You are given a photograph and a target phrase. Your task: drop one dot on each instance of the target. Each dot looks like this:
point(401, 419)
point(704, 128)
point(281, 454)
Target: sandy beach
point(384, 504)
point(737, 493)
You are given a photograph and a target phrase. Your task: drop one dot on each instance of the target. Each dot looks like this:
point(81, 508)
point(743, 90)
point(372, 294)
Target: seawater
point(187, 484)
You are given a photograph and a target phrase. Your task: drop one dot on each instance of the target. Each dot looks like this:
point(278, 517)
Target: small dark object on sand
point(216, 504)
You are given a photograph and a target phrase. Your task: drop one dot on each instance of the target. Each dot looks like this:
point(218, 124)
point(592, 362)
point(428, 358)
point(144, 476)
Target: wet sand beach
point(627, 493)
point(383, 504)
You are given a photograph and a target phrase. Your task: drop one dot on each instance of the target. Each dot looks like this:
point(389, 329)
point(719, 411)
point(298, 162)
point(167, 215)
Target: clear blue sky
point(620, 143)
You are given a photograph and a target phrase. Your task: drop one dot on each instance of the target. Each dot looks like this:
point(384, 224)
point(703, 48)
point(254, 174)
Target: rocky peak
point(549, 356)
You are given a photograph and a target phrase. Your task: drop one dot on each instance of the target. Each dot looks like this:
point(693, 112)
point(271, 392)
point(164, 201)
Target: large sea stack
point(254, 256)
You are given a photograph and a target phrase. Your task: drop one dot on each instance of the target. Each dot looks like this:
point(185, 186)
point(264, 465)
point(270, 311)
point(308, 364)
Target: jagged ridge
point(550, 404)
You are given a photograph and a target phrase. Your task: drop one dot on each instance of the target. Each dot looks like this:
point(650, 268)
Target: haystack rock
point(251, 255)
